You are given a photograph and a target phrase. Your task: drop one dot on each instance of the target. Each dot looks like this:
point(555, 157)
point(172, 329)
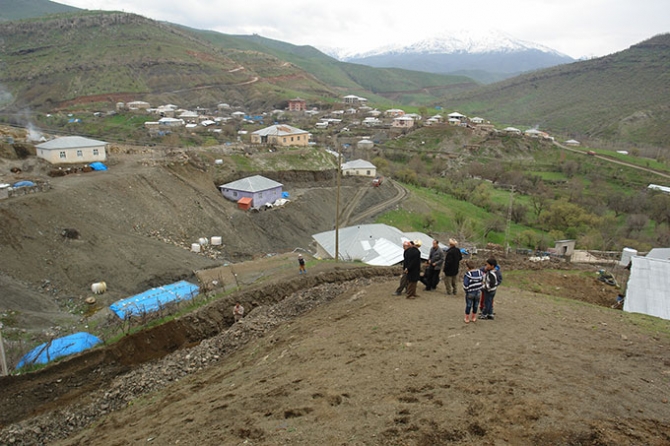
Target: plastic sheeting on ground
point(98, 166)
point(57, 348)
point(154, 299)
point(24, 183)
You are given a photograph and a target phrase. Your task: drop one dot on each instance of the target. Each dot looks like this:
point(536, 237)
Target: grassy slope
point(622, 96)
point(24, 9)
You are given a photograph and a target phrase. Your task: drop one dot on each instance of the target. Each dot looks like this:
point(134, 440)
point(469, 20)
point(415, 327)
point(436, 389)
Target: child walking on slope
point(301, 263)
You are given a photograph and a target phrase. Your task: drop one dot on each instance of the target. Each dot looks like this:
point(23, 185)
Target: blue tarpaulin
point(98, 166)
point(284, 194)
point(154, 299)
point(24, 183)
point(57, 348)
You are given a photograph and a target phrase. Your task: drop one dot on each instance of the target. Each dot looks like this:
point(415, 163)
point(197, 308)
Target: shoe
point(395, 294)
point(483, 316)
point(467, 319)
point(490, 316)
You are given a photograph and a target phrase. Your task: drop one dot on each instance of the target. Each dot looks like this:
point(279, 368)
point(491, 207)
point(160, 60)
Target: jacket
point(452, 260)
point(473, 281)
point(436, 256)
point(412, 263)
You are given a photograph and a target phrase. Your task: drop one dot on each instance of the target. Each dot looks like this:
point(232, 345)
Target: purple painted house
point(261, 190)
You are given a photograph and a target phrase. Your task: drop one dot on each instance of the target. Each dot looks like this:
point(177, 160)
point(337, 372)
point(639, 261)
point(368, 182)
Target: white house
point(403, 122)
point(72, 149)
point(359, 168)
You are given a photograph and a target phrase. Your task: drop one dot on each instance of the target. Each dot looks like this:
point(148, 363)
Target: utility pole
point(3, 360)
point(337, 206)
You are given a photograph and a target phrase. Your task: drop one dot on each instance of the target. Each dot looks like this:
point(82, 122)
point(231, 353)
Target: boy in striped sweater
point(473, 283)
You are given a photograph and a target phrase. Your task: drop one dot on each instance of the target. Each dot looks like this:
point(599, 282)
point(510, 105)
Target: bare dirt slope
point(362, 367)
point(132, 227)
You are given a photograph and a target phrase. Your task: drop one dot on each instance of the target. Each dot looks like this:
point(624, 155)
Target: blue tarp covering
point(98, 166)
point(284, 194)
point(153, 299)
point(57, 348)
point(24, 184)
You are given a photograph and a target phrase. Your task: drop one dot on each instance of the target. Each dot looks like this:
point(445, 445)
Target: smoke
point(33, 133)
point(5, 96)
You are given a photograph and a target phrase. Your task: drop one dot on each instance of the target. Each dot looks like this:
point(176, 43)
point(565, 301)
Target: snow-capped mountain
point(486, 56)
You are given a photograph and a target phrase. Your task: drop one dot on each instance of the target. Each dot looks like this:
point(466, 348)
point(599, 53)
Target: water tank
point(195, 247)
point(626, 255)
point(218, 162)
point(99, 287)
point(216, 240)
point(203, 241)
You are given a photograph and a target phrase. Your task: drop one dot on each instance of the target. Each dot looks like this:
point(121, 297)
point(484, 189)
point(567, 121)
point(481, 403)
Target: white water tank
point(203, 241)
point(217, 240)
point(195, 247)
point(218, 162)
point(626, 255)
point(99, 287)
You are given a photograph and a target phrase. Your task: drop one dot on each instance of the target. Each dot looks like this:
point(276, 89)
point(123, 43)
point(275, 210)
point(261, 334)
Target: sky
point(577, 28)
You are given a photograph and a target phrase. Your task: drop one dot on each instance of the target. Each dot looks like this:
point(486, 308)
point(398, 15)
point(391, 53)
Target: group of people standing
point(479, 284)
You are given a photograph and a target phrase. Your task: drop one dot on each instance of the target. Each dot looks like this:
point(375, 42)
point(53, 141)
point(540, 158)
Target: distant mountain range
point(487, 56)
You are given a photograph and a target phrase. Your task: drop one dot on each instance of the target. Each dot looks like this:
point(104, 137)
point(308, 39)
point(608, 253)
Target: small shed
point(565, 247)
point(244, 203)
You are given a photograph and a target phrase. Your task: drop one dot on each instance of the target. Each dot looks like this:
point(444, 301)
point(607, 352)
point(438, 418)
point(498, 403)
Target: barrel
point(203, 241)
point(216, 240)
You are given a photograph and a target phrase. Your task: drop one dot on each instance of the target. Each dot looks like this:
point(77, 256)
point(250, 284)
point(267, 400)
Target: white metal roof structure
point(358, 164)
point(70, 142)
point(256, 183)
point(375, 244)
point(659, 253)
point(648, 290)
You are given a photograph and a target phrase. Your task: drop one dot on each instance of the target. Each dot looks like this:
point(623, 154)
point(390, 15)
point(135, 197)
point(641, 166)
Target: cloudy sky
point(578, 28)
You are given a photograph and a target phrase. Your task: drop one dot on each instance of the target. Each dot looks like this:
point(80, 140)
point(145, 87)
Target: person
point(412, 264)
point(452, 260)
point(473, 282)
point(403, 277)
point(238, 311)
point(492, 278)
point(433, 267)
point(301, 264)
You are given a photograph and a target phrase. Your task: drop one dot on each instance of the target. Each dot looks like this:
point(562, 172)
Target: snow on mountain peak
point(457, 41)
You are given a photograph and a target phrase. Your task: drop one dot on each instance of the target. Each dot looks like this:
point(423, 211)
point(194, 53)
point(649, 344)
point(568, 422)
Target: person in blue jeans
point(492, 278)
point(473, 282)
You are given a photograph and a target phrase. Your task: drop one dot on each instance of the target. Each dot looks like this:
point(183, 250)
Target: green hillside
point(620, 97)
point(25, 9)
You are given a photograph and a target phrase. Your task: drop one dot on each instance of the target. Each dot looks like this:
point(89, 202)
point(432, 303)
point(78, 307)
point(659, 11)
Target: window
point(62, 155)
point(80, 153)
point(234, 194)
point(291, 139)
point(96, 152)
point(368, 173)
point(260, 195)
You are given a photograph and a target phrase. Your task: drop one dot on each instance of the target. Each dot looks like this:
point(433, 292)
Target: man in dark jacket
point(412, 264)
point(452, 260)
point(433, 267)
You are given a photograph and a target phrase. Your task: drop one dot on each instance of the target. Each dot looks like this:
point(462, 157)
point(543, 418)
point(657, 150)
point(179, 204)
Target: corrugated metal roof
point(70, 142)
point(358, 164)
point(648, 290)
point(280, 130)
point(257, 183)
point(659, 253)
point(375, 244)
